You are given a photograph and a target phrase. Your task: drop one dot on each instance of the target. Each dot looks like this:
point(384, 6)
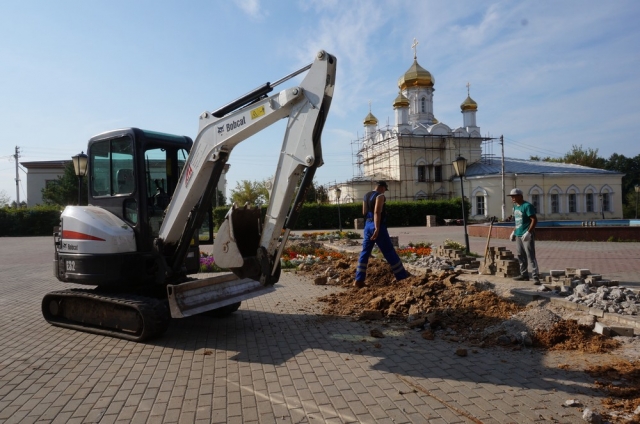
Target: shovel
point(485, 269)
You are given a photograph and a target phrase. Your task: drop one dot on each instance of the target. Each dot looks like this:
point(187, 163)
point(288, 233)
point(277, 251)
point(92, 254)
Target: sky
point(546, 75)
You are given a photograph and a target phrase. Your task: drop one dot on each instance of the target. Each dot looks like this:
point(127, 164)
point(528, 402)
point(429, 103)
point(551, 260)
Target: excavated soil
point(620, 382)
point(456, 309)
point(447, 307)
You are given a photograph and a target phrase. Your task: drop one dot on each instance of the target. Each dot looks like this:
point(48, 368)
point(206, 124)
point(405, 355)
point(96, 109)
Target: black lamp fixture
point(460, 168)
point(80, 167)
point(338, 193)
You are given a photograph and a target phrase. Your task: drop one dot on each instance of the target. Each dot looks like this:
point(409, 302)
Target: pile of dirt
point(451, 308)
point(569, 335)
point(620, 381)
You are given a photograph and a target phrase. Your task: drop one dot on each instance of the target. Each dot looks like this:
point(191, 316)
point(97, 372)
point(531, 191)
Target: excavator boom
point(306, 107)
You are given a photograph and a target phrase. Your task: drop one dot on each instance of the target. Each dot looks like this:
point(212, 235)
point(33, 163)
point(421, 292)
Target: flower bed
point(296, 254)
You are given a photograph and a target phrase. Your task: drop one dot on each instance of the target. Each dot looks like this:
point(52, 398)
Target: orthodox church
point(415, 156)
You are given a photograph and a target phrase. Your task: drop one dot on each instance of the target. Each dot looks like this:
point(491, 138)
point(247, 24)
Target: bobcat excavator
point(150, 192)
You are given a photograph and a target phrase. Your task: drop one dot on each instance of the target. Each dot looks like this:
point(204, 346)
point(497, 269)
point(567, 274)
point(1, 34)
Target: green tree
point(577, 156)
point(630, 167)
point(4, 198)
point(64, 190)
point(251, 192)
point(316, 193)
point(219, 199)
point(589, 157)
point(321, 194)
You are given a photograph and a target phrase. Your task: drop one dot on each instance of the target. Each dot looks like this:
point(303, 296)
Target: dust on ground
point(448, 307)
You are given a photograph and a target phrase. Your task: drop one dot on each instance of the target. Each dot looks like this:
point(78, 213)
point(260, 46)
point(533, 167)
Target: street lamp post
point(338, 193)
point(637, 188)
point(80, 167)
point(460, 167)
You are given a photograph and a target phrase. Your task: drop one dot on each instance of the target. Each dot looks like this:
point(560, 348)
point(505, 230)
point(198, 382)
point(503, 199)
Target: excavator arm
point(250, 248)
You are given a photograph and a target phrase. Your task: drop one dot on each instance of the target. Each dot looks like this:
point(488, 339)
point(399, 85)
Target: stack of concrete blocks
point(458, 258)
point(574, 276)
point(431, 221)
point(504, 262)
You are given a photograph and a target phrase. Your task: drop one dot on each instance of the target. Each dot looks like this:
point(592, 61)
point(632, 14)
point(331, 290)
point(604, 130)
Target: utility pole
point(16, 156)
point(502, 172)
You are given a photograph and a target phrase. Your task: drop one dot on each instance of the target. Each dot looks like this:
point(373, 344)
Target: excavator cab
point(132, 174)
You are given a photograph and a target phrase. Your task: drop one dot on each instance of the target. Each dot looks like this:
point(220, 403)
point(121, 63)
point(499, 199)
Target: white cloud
point(251, 8)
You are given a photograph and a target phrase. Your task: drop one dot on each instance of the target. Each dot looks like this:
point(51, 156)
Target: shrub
point(35, 221)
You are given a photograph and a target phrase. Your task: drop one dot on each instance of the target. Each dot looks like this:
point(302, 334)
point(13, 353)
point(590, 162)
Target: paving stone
point(269, 352)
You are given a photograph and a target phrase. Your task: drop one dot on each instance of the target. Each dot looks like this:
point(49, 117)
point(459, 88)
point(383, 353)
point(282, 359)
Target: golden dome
point(469, 104)
point(370, 119)
point(416, 76)
point(435, 121)
point(400, 101)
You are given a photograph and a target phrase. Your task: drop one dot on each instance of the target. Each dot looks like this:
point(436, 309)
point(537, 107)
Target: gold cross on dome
point(468, 85)
point(414, 46)
point(369, 106)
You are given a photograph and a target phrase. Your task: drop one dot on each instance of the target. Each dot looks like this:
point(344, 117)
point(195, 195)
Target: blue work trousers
point(384, 244)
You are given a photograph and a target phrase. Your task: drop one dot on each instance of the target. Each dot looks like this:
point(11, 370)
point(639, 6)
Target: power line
point(527, 147)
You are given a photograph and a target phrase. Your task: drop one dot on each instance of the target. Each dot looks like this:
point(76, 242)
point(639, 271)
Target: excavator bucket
point(235, 247)
point(237, 242)
point(212, 293)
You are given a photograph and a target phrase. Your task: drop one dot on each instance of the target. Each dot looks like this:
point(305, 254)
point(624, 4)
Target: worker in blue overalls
point(375, 232)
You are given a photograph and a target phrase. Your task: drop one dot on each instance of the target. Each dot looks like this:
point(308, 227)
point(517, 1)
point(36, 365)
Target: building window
point(572, 202)
point(479, 205)
point(535, 201)
point(437, 173)
point(605, 202)
point(589, 202)
point(554, 203)
point(422, 173)
point(423, 105)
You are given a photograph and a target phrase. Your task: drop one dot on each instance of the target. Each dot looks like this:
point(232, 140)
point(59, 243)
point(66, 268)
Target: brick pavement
point(276, 360)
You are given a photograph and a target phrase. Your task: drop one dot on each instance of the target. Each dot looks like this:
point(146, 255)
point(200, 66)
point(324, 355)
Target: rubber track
point(154, 312)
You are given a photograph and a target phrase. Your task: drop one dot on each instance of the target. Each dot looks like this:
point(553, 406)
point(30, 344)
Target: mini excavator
point(149, 194)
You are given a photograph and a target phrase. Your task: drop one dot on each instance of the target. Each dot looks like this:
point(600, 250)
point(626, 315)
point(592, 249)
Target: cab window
point(111, 167)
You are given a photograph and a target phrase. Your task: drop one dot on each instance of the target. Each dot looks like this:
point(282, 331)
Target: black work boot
point(523, 277)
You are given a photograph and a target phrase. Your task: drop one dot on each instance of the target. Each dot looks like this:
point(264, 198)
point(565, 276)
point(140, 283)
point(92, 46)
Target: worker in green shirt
point(524, 214)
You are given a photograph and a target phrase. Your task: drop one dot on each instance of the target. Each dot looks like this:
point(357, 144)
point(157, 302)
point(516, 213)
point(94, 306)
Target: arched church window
point(480, 205)
point(555, 203)
point(423, 105)
point(589, 202)
point(437, 173)
point(535, 201)
point(422, 173)
point(606, 202)
point(572, 202)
